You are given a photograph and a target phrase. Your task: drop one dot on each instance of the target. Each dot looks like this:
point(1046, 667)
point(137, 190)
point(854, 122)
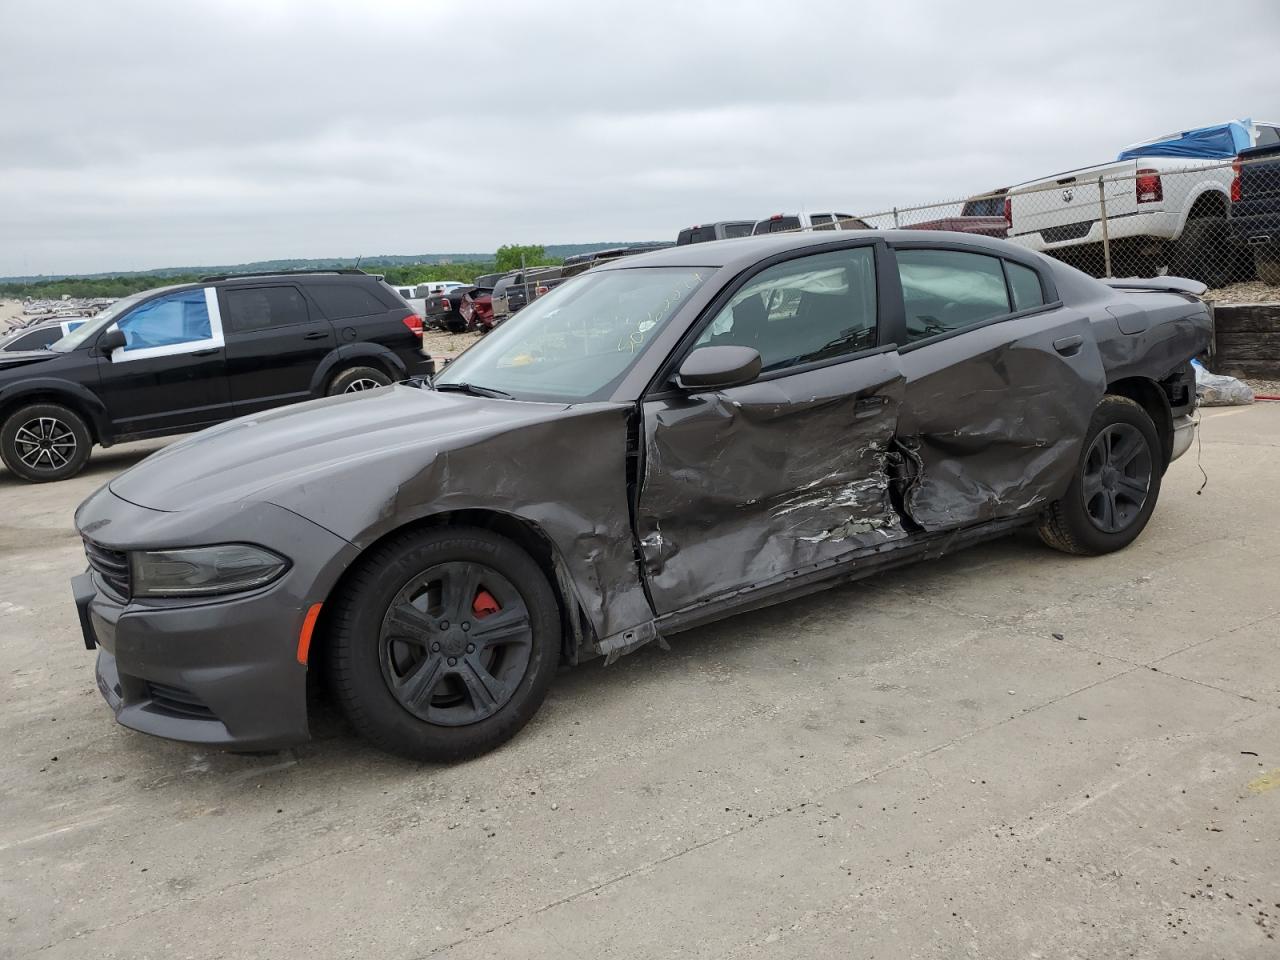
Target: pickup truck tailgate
point(1069, 208)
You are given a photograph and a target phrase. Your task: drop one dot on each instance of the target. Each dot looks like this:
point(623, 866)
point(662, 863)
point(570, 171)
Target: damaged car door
point(1002, 380)
point(756, 481)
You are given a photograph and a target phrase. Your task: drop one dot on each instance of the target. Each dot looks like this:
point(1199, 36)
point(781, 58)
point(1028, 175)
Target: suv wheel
point(45, 441)
point(358, 379)
point(444, 643)
point(1115, 486)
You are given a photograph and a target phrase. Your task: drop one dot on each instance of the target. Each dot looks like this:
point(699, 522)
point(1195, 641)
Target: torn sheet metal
point(996, 418)
point(758, 480)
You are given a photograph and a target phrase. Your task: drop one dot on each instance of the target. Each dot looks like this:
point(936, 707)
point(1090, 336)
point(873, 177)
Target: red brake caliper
point(484, 604)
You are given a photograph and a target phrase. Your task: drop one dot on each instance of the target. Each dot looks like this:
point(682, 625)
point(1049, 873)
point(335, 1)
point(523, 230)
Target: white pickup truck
point(1166, 207)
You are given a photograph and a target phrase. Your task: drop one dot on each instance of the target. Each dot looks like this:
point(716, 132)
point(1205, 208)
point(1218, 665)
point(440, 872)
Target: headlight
point(202, 571)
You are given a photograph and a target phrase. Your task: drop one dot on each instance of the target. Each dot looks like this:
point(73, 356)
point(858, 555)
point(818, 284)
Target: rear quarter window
point(948, 290)
point(1024, 286)
point(340, 300)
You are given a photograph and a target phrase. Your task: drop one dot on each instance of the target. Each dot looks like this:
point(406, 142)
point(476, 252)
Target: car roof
point(743, 251)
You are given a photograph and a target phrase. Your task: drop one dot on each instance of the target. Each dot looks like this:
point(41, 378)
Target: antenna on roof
point(358, 259)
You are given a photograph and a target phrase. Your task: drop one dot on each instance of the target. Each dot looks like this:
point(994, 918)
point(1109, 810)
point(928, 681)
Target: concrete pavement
point(1006, 753)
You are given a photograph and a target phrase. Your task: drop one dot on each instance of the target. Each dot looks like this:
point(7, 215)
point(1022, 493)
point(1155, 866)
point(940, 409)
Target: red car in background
point(983, 215)
point(477, 309)
point(464, 308)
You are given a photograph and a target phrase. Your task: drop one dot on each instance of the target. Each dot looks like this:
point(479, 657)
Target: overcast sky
point(137, 135)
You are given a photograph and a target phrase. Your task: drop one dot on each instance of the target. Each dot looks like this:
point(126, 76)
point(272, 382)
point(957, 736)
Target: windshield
point(86, 331)
point(577, 342)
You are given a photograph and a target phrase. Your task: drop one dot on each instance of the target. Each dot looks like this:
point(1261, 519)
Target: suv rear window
point(340, 300)
point(260, 308)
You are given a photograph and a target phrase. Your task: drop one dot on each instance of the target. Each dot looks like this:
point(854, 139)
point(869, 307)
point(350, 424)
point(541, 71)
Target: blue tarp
point(1219, 141)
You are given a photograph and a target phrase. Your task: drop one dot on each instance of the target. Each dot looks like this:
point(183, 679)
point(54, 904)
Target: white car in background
point(1166, 207)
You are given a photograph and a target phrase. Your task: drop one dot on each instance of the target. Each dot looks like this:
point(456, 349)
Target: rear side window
point(262, 308)
point(947, 290)
point(1024, 285)
point(338, 301)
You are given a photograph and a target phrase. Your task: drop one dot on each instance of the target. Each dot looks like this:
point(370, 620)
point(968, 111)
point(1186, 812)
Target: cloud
point(145, 134)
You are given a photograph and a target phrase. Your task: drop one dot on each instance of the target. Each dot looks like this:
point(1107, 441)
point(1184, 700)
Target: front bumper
point(1184, 433)
point(222, 672)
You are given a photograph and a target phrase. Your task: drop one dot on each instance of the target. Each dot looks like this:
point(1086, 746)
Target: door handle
point(206, 353)
point(315, 335)
point(868, 406)
point(1069, 346)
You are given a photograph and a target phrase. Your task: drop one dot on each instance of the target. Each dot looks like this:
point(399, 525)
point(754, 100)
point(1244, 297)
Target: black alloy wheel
point(1115, 486)
point(442, 642)
point(1116, 477)
point(455, 643)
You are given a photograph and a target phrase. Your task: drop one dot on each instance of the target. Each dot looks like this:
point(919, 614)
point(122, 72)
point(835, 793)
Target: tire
point(408, 679)
point(43, 442)
point(1073, 524)
point(357, 379)
point(1206, 251)
point(1268, 266)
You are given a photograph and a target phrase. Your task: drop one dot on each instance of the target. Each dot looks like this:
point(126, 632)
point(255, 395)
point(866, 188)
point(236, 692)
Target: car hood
point(293, 447)
point(18, 358)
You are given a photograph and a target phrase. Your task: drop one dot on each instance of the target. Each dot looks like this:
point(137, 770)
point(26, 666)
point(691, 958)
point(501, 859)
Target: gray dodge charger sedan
point(658, 443)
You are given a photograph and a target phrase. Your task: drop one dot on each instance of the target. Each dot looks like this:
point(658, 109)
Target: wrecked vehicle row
point(669, 439)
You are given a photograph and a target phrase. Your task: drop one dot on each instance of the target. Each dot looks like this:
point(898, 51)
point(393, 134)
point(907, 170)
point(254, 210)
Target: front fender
point(75, 395)
point(520, 472)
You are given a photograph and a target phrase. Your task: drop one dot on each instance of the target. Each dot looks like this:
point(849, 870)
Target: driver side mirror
point(111, 340)
point(716, 368)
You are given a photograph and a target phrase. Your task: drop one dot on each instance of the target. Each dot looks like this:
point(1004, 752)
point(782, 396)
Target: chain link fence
point(1216, 222)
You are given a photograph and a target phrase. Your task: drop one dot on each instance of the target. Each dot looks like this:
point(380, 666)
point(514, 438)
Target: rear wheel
point(1206, 251)
point(1268, 266)
point(444, 643)
point(45, 441)
point(357, 379)
point(1115, 486)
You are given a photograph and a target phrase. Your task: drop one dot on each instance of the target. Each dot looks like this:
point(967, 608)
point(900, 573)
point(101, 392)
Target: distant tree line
point(508, 257)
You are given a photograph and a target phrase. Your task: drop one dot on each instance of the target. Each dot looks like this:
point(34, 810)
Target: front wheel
point(45, 441)
point(1115, 486)
point(444, 643)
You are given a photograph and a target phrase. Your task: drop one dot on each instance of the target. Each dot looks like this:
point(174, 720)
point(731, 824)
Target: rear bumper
point(1157, 225)
point(1257, 229)
point(1184, 433)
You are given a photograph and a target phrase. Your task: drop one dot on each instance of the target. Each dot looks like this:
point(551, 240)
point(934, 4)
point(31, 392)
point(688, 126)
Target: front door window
point(173, 324)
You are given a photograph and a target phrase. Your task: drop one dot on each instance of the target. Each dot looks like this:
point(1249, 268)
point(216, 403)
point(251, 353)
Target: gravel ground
point(447, 345)
point(1253, 291)
point(1264, 387)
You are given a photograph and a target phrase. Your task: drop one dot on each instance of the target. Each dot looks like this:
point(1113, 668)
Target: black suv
point(181, 358)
